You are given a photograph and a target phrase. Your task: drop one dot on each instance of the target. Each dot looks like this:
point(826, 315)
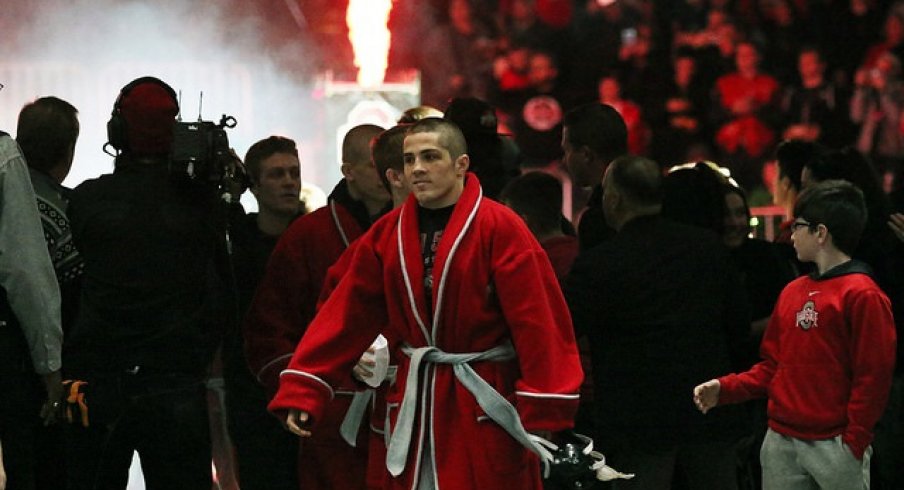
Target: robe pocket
point(502, 451)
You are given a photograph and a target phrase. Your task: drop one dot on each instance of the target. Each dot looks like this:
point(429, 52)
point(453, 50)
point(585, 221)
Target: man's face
point(576, 161)
point(366, 182)
point(610, 198)
point(435, 179)
point(736, 222)
point(279, 184)
point(809, 65)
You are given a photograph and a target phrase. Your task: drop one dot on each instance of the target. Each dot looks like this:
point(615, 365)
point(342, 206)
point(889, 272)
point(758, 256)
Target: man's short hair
point(599, 127)
point(265, 149)
point(46, 132)
point(792, 156)
point(837, 204)
point(695, 196)
point(637, 178)
point(387, 151)
point(538, 196)
point(356, 144)
point(450, 136)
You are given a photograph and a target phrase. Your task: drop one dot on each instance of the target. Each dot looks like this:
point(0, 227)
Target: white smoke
point(84, 51)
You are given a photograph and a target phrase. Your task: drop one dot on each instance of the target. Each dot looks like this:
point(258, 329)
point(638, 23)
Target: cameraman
point(150, 238)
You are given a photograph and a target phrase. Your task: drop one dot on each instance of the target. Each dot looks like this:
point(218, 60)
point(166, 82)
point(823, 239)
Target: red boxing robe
point(492, 284)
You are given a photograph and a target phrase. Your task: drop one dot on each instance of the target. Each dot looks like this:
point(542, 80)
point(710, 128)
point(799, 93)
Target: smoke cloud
point(251, 60)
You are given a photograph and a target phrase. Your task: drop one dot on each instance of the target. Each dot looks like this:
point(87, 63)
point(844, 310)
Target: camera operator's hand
point(235, 182)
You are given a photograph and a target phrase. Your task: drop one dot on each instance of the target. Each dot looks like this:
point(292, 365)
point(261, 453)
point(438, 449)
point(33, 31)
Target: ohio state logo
point(807, 316)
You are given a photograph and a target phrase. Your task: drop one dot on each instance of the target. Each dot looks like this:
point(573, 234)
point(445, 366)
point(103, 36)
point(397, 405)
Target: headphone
point(117, 132)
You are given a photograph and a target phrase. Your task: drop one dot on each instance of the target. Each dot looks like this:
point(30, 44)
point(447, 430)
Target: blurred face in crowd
point(736, 221)
point(609, 90)
point(577, 161)
point(685, 68)
point(542, 70)
point(810, 65)
point(279, 184)
point(434, 177)
point(747, 58)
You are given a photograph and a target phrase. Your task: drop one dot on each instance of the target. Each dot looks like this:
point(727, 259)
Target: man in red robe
point(466, 294)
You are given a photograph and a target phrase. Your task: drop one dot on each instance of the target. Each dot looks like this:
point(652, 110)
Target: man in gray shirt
point(30, 332)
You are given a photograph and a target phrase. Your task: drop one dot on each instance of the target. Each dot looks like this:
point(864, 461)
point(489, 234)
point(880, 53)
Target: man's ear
point(394, 178)
point(346, 170)
point(462, 163)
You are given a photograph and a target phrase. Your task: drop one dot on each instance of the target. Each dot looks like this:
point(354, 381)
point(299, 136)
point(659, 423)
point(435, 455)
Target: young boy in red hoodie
point(828, 354)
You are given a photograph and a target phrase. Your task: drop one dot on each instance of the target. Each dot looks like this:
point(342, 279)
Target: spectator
point(746, 105)
point(457, 57)
point(828, 354)
point(594, 135)
point(266, 455)
point(815, 110)
point(678, 115)
point(877, 106)
point(47, 131)
point(30, 327)
point(494, 157)
point(610, 93)
point(648, 338)
point(535, 114)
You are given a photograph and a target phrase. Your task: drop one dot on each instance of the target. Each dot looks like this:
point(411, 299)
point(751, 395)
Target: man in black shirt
point(660, 305)
point(266, 453)
point(594, 135)
point(149, 238)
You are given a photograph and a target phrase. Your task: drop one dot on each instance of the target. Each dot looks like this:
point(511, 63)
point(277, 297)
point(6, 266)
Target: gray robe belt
point(493, 404)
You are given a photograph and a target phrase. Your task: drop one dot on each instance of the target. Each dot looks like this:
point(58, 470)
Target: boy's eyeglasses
point(802, 224)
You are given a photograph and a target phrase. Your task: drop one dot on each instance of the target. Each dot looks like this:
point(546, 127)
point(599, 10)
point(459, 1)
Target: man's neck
point(637, 213)
point(272, 224)
point(373, 207)
point(828, 259)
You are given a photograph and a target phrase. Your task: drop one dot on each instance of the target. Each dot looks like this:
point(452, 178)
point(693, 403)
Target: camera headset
point(117, 128)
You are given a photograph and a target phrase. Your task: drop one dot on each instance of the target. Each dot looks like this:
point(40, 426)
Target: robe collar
point(412, 263)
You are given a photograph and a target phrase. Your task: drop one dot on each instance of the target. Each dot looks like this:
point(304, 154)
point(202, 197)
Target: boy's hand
point(295, 422)
point(706, 395)
point(896, 223)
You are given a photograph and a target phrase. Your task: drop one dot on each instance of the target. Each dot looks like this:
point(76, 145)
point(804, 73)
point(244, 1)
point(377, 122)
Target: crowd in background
point(694, 79)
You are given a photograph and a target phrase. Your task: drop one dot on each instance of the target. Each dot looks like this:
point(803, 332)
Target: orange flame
point(369, 36)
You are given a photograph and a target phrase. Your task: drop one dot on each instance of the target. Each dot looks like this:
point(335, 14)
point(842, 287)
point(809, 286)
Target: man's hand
point(706, 395)
point(53, 384)
point(296, 420)
point(365, 367)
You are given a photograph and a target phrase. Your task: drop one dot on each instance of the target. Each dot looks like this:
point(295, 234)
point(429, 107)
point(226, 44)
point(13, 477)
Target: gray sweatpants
point(792, 464)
